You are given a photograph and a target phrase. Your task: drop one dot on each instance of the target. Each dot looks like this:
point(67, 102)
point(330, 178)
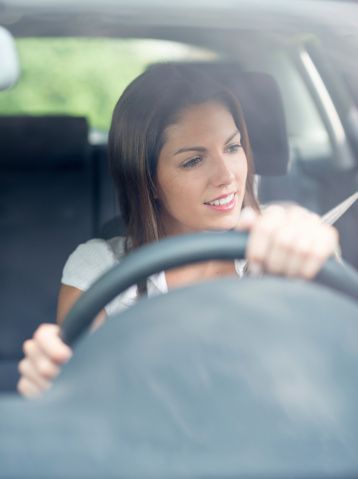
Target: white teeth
point(223, 201)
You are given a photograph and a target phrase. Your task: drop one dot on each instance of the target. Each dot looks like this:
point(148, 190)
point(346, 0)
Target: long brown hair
point(151, 103)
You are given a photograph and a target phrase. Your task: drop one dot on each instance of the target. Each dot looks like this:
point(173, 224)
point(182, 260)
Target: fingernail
point(255, 269)
point(247, 213)
point(68, 359)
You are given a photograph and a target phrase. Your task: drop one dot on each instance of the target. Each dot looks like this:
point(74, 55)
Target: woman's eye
point(191, 163)
point(233, 148)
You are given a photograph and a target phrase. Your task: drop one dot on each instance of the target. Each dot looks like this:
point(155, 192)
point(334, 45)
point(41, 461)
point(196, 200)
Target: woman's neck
point(195, 273)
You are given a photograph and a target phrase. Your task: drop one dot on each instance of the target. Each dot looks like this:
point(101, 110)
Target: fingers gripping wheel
point(174, 252)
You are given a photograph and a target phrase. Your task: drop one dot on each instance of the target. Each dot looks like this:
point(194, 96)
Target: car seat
point(45, 211)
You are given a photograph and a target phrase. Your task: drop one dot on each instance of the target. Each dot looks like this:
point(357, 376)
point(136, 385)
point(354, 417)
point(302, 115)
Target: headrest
point(43, 141)
point(262, 106)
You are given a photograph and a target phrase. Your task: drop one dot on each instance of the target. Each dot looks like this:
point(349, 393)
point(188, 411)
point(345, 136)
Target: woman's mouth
point(223, 203)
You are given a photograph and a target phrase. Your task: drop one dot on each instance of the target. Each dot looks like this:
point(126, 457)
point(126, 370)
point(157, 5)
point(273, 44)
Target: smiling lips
point(223, 203)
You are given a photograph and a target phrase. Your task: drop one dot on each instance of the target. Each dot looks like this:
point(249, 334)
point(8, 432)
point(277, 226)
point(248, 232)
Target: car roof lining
point(189, 22)
point(87, 18)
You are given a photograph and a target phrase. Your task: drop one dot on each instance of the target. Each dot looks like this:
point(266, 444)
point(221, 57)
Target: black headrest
point(260, 98)
point(43, 141)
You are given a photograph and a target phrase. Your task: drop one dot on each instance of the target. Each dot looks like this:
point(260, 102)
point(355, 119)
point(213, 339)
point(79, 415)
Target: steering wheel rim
point(174, 252)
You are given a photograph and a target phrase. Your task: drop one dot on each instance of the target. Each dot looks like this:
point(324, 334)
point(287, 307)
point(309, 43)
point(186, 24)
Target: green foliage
point(76, 76)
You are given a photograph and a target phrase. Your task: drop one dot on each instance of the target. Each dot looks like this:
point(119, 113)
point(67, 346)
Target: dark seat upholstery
point(45, 212)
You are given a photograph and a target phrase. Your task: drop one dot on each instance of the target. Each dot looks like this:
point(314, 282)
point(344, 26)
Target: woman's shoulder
point(90, 260)
point(100, 250)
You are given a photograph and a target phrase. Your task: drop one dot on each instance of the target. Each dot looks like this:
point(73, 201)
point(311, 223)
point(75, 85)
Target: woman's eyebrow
point(201, 148)
point(191, 148)
point(231, 137)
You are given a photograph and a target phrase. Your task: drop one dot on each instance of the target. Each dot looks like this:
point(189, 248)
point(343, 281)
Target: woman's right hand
point(45, 353)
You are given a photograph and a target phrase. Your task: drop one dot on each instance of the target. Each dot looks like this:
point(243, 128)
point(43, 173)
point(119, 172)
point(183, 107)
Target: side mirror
point(9, 62)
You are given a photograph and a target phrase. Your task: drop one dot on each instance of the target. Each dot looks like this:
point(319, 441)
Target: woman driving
point(181, 162)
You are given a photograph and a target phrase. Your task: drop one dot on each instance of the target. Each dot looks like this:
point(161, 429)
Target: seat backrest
point(45, 212)
point(43, 141)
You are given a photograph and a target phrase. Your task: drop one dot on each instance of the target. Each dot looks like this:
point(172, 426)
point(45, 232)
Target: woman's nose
point(221, 171)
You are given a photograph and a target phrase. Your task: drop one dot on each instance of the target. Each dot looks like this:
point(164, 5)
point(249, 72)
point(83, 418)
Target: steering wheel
point(174, 252)
point(201, 381)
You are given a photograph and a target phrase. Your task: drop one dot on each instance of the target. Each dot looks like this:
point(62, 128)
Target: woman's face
point(201, 172)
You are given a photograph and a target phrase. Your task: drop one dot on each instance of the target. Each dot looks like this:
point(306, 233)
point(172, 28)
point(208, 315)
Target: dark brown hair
point(151, 103)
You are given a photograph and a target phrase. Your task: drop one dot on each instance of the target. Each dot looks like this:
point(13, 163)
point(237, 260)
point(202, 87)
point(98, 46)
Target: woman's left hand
point(291, 242)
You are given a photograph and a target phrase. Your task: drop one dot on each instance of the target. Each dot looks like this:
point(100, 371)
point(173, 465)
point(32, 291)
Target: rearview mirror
point(9, 62)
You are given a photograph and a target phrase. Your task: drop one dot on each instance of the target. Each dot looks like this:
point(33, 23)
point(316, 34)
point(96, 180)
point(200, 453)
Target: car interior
point(56, 191)
point(299, 97)
point(54, 165)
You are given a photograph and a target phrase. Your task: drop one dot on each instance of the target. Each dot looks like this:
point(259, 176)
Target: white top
point(91, 260)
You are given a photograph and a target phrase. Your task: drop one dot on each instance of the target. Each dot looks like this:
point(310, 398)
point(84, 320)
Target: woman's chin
point(222, 226)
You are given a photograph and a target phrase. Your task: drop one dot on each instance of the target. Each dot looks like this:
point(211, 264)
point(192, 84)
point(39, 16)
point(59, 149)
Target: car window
point(307, 133)
point(84, 76)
